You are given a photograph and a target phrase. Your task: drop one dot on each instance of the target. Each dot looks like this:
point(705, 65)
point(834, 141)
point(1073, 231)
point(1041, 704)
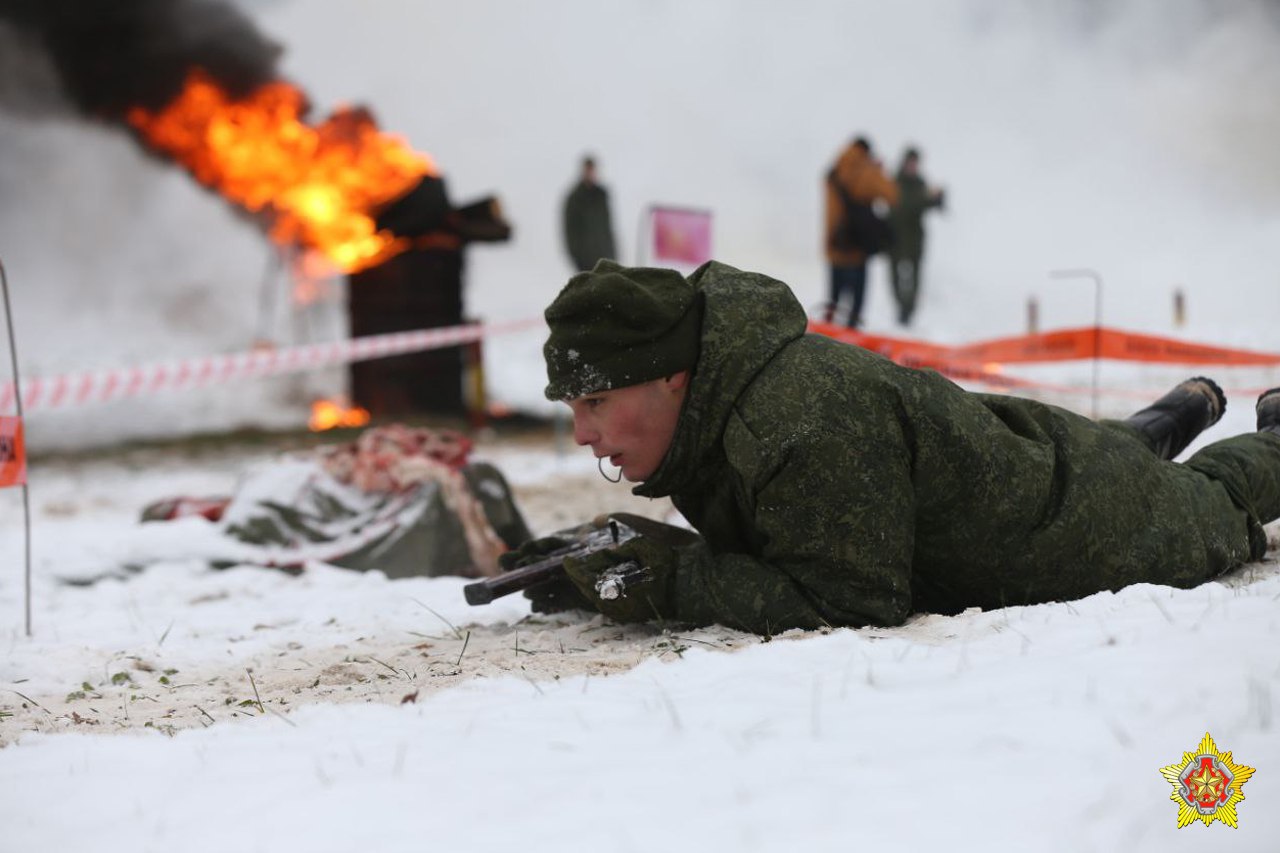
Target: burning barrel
point(421, 287)
point(355, 200)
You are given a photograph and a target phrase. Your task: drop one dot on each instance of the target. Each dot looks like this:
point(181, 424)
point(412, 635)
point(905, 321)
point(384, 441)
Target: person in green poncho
point(832, 487)
point(586, 220)
point(906, 252)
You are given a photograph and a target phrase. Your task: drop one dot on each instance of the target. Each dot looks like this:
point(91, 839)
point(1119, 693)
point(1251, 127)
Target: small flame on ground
point(317, 186)
point(330, 414)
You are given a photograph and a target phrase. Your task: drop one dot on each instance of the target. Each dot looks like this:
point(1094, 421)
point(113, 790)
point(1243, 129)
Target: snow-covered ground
point(183, 708)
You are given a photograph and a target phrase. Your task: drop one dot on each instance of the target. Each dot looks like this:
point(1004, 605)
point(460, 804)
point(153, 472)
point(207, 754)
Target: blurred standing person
point(915, 198)
point(854, 232)
point(588, 225)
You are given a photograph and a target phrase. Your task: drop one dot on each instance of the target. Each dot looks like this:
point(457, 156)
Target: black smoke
point(109, 55)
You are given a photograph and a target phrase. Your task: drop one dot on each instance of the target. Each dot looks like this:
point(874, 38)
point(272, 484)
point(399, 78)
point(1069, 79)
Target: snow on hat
point(617, 326)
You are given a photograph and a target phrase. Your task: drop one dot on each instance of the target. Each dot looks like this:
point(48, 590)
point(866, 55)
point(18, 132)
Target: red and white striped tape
point(87, 388)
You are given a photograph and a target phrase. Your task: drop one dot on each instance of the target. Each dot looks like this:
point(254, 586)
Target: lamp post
point(1097, 324)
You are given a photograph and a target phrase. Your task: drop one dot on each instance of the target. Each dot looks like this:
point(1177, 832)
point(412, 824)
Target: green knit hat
point(617, 326)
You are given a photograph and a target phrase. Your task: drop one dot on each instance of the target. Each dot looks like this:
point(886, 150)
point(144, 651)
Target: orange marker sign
point(13, 454)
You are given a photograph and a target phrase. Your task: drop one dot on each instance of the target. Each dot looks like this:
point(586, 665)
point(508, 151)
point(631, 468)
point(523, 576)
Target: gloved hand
point(531, 552)
point(643, 593)
point(555, 595)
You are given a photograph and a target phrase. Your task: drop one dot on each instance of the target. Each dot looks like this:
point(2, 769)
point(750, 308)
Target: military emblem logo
point(1206, 784)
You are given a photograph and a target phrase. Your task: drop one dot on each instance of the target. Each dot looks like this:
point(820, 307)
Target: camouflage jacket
point(833, 487)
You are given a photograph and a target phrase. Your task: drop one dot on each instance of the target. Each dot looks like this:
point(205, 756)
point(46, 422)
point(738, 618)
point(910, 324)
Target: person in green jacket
point(915, 198)
point(587, 221)
point(833, 487)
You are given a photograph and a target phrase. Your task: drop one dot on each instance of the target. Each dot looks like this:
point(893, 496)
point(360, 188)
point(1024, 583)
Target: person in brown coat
point(854, 183)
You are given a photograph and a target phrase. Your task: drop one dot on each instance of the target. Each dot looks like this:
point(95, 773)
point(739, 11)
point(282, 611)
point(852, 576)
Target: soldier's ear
point(677, 381)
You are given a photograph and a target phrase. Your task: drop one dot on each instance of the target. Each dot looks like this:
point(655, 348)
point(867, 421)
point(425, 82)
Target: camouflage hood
point(747, 319)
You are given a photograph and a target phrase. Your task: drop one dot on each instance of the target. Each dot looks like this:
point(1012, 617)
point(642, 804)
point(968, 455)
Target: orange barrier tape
point(983, 362)
point(1062, 345)
point(921, 354)
point(896, 349)
point(1109, 343)
point(13, 453)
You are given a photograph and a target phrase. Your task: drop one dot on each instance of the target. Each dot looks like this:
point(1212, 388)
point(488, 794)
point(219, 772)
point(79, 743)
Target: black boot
point(1269, 411)
point(1173, 421)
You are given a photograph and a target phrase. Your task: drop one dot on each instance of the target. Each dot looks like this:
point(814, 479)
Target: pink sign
point(681, 235)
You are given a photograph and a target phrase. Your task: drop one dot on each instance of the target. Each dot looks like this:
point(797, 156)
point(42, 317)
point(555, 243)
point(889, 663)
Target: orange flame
point(318, 186)
point(329, 414)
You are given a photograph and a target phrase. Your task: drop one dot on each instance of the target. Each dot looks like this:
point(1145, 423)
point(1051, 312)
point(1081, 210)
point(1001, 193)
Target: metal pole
point(1097, 323)
point(267, 295)
point(26, 495)
point(642, 235)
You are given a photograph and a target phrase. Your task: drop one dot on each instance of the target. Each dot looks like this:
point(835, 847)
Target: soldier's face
point(632, 427)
